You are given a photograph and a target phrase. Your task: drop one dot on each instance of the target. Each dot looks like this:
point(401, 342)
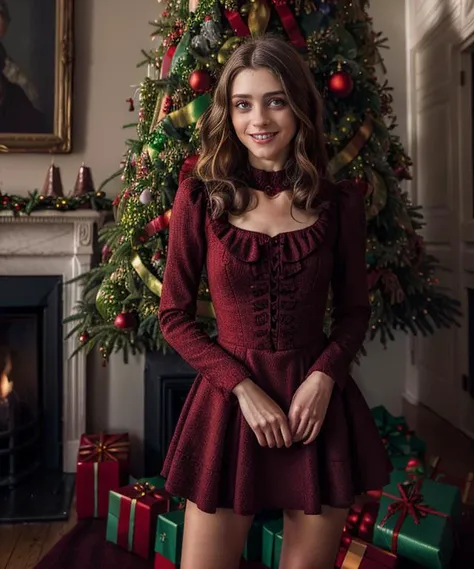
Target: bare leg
point(213, 541)
point(311, 542)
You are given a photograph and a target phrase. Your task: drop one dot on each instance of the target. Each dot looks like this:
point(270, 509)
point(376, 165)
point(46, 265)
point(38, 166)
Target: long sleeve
point(185, 259)
point(351, 307)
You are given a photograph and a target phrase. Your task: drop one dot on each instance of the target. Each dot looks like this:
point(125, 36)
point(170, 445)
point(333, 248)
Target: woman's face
point(262, 118)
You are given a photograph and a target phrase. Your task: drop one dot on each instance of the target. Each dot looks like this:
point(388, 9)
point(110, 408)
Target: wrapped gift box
point(103, 464)
point(133, 514)
point(162, 563)
point(277, 545)
point(169, 535)
point(270, 530)
point(387, 424)
point(362, 555)
point(417, 520)
point(407, 445)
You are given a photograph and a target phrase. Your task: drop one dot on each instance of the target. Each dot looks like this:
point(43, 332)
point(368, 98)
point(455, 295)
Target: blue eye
point(278, 102)
point(240, 103)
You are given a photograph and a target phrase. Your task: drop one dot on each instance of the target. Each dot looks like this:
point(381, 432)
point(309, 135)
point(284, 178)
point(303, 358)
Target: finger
point(262, 441)
point(314, 433)
point(302, 425)
point(308, 430)
point(293, 419)
point(286, 433)
point(268, 432)
point(276, 429)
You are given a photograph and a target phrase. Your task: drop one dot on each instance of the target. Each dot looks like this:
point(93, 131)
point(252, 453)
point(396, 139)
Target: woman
point(273, 419)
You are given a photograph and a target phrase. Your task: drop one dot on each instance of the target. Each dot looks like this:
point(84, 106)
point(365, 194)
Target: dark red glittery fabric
point(269, 296)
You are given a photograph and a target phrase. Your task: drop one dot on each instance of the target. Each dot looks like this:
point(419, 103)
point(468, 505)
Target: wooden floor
point(23, 545)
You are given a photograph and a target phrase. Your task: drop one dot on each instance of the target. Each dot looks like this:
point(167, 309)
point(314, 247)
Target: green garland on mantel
point(35, 201)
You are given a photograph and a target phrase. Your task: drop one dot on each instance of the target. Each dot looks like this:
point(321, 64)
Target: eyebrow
point(271, 94)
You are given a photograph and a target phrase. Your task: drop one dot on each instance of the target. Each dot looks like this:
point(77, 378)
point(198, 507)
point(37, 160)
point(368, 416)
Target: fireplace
point(168, 379)
point(30, 376)
point(42, 389)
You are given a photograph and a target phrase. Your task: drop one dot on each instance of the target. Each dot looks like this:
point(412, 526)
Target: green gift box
point(270, 529)
point(253, 544)
point(157, 481)
point(387, 424)
point(277, 549)
point(404, 445)
point(169, 535)
point(417, 519)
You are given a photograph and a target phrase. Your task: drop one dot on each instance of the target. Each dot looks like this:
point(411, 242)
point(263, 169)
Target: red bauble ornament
point(362, 185)
point(341, 84)
point(413, 463)
point(402, 173)
point(187, 167)
point(106, 253)
point(84, 337)
point(125, 320)
point(200, 81)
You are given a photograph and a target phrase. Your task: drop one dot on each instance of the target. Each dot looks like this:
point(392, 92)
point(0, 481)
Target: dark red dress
point(269, 295)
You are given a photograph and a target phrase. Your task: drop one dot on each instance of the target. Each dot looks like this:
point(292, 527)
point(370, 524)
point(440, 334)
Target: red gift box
point(133, 515)
point(102, 465)
point(363, 555)
point(162, 563)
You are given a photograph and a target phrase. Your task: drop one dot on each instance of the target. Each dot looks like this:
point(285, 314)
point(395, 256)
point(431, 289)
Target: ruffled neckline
point(247, 245)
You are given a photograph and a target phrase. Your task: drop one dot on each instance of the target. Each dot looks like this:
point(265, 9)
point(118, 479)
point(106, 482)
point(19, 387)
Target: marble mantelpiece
point(56, 243)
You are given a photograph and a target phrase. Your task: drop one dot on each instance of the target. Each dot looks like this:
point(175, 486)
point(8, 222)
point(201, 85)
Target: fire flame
point(6, 385)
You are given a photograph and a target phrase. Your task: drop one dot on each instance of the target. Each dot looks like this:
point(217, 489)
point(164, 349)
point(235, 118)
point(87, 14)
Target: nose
point(259, 116)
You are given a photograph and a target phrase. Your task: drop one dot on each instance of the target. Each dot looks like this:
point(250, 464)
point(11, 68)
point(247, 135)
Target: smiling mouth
point(263, 136)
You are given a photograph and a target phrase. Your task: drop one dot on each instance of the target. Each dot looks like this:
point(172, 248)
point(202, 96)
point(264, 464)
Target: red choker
point(272, 183)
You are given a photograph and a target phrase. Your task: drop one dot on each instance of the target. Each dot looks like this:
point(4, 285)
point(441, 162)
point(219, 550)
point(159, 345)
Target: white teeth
point(262, 136)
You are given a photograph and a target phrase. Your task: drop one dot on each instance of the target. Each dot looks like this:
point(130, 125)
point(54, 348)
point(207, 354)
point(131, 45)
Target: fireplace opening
point(32, 483)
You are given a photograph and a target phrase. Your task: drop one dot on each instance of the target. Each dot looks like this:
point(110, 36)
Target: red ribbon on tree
point(158, 224)
point(409, 503)
point(238, 25)
point(289, 23)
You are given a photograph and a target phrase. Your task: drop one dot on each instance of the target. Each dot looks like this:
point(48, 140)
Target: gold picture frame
point(44, 107)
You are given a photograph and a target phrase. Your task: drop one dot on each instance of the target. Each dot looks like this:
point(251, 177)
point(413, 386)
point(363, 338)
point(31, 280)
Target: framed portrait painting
point(36, 62)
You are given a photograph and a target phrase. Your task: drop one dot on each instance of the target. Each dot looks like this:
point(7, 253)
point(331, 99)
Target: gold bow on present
point(145, 489)
point(101, 450)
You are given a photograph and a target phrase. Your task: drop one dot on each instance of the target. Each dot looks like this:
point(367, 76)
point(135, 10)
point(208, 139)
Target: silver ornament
point(210, 30)
point(145, 196)
point(201, 45)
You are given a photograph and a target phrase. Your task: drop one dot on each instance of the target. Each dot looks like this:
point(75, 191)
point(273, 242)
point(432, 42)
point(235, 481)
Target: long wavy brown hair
point(223, 162)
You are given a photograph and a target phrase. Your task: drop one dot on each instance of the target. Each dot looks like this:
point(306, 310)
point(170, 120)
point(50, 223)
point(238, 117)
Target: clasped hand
point(305, 417)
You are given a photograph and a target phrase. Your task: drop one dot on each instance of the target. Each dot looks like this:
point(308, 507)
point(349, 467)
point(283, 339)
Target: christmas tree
point(121, 296)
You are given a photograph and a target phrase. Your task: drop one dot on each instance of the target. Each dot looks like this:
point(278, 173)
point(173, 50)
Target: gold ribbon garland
point(204, 307)
point(258, 18)
point(353, 148)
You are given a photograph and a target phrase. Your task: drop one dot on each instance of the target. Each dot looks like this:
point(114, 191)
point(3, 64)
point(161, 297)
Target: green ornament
point(347, 44)
point(109, 299)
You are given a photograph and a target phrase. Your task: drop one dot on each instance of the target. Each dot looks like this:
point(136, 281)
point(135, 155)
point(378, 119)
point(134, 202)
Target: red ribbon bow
point(100, 450)
point(409, 503)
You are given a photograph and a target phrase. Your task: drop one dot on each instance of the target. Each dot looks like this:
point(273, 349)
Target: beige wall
point(108, 47)
point(381, 375)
